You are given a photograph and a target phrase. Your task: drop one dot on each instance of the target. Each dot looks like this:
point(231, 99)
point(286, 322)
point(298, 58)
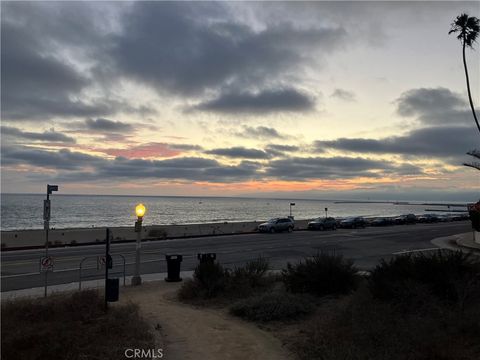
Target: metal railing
point(98, 268)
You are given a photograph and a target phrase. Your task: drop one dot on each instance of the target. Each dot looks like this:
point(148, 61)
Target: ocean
point(22, 211)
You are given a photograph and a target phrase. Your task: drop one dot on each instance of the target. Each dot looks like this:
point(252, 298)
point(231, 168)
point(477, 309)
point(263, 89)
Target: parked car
point(277, 225)
point(323, 224)
point(382, 222)
point(353, 222)
point(405, 219)
point(428, 218)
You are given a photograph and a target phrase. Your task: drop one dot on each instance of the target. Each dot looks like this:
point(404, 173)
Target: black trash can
point(112, 290)
point(206, 257)
point(173, 268)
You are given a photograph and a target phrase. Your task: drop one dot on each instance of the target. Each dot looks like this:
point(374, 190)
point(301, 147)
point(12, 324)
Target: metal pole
point(136, 279)
point(290, 210)
point(47, 226)
point(107, 253)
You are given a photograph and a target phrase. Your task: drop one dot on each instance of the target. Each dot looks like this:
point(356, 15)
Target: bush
point(321, 275)
point(211, 280)
point(243, 281)
point(452, 276)
point(71, 327)
point(272, 306)
point(361, 326)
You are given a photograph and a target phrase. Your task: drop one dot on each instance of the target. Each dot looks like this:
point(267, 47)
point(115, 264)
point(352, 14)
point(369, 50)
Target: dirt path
point(197, 333)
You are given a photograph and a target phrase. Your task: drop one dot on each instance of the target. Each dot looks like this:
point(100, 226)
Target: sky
point(277, 99)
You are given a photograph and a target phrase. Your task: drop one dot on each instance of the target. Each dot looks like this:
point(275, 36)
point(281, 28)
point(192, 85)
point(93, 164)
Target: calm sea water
point(68, 211)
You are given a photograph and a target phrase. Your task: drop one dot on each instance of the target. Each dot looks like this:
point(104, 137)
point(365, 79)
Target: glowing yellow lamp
point(140, 210)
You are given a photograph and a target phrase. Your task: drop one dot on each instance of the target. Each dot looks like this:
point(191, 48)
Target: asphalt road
point(20, 269)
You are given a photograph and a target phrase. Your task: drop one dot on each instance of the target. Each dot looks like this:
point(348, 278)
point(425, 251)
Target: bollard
point(111, 293)
point(206, 257)
point(173, 268)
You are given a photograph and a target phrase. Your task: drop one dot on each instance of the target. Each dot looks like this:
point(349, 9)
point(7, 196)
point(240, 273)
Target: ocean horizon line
point(353, 200)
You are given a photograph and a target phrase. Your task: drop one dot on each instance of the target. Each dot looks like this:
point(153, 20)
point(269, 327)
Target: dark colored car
point(428, 218)
point(353, 222)
point(328, 223)
point(277, 225)
point(405, 219)
point(382, 222)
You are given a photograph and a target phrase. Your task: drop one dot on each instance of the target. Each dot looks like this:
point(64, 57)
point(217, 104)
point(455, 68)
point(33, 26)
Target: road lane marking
point(416, 250)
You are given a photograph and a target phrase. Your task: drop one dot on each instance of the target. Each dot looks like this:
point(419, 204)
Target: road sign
point(46, 210)
point(101, 261)
point(46, 263)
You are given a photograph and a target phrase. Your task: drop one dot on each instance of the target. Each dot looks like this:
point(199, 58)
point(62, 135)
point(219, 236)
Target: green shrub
point(272, 306)
point(452, 276)
point(321, 275)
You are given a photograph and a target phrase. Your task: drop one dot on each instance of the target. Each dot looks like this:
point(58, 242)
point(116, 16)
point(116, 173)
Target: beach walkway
point(185, 332)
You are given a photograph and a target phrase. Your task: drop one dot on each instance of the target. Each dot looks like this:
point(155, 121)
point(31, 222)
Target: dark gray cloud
point(436, 106)
point(68, 166)
point(62, 159)
point(186, 147)
point(282, 148)
point(78, 167)
point(239, 152)
point(35, 83)
point(51, 136)
point(38, 81)
point(260, 132)
point(446, 142)
point(267, 101)
point(187, 48)
point(107, 125)
point(343, 95)
point(303, 168)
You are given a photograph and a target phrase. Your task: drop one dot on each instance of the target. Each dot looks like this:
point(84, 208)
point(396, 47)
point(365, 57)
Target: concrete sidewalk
point(459, 241)
point(466, 240)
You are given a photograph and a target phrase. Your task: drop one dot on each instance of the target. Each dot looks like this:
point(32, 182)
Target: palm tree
point(467, 29)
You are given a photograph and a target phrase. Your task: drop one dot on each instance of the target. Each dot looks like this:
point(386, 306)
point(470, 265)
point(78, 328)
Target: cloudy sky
point(229, 99)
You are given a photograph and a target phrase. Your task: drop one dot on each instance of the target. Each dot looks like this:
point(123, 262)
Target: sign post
point(291, 204)
point(46, 225)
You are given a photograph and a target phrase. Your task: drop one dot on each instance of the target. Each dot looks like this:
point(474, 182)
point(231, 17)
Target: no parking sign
point(46, 263)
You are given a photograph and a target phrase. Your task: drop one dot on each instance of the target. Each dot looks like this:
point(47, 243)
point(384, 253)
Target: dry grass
point(360, 326)
point(71, 327)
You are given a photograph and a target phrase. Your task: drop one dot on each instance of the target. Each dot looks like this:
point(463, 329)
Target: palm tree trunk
point(468, 87)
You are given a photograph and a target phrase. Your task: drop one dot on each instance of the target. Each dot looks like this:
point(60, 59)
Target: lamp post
point(46, 224)
point(140, 211)
point(291, 204)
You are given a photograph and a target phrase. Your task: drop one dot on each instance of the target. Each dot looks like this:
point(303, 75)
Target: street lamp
point(291, 204)
point(46, 225)
point(140, 211)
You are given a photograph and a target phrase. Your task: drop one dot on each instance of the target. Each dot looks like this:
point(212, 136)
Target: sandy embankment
point(32, 238)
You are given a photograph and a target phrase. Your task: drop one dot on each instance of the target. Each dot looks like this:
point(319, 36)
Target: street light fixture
point(291, 204)
point(140, 211)
point(46, 225)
